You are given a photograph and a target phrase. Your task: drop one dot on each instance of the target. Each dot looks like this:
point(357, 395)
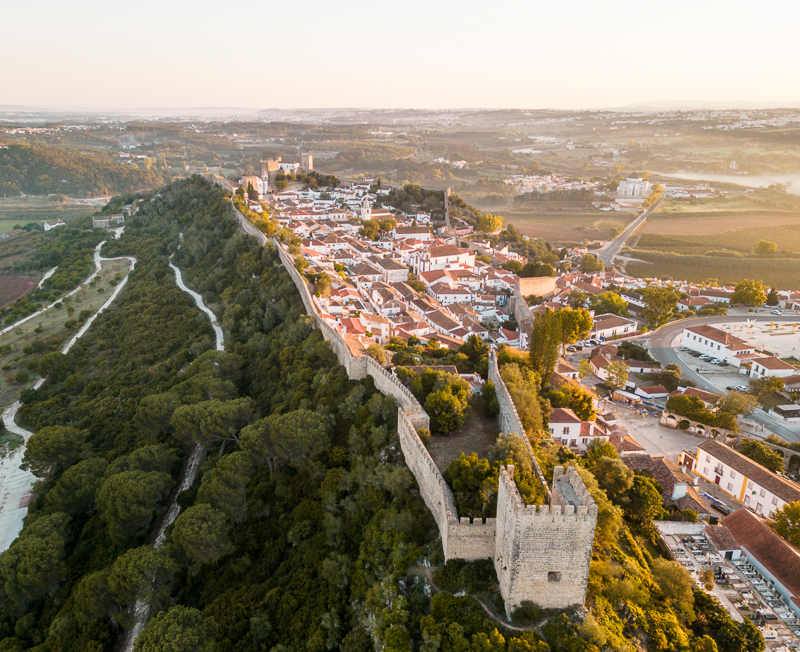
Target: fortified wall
point(540, 554)
point(543, 553)
point(540, 286)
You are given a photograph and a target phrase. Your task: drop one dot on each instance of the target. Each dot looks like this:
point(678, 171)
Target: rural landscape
point(399, 327)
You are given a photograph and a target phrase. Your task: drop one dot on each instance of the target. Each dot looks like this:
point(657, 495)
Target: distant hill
point(708, 105)
point(36, 169)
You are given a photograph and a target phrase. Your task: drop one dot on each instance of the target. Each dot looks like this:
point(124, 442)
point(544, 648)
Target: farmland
point(19, 210)
point(21, 348)
point(783, 273)
point(14, 287)
point(565, 223)
point(714, 239)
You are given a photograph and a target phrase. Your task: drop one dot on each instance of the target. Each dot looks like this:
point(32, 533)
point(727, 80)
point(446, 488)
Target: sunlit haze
point(408, 54)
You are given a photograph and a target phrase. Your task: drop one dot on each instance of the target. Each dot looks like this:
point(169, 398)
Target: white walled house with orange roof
point(772, 368)
point(717, 343)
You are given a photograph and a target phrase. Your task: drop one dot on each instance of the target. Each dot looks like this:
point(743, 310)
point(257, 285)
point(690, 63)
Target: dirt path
point(428, 571)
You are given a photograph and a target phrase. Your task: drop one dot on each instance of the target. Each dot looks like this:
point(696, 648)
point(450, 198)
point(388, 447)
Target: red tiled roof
point(777, 556)
point(563, 415)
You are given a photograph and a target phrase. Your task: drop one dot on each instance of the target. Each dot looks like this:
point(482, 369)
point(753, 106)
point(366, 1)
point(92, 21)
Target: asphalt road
point(659, 344)
point(610, 251)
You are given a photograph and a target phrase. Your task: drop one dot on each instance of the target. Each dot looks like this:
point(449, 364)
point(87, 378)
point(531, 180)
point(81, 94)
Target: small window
point(762, 493)
point(554, 576)
point(730, 487)
point(759, 507)
point(566, 430)
point(705, 471)
point(733, 475)
point(774, 500)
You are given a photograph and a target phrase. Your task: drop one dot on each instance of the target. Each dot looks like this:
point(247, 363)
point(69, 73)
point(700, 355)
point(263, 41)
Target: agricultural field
point(22, 347)
point(714, 239)
point(20, 210)
point(565, 223)
point(14, 287)
point(782, 273)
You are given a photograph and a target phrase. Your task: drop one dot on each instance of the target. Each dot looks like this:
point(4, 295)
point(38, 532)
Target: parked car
point(705, 357)
point(777, 312)
point(715, 361)
point(683, 348)
point(722, 507)
point(741, 388)
point(722, 363)
point(695, 354)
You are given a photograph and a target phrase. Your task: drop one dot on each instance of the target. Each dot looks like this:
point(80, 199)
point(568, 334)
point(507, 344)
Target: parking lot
point(720, 376)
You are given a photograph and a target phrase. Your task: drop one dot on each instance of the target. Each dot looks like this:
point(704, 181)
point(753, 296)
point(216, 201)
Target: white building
point(442, 257)
point(751, 484)
point(567, 427)
point(773, 367)
point(608, 325)
point(712, 341)
point(633, 186)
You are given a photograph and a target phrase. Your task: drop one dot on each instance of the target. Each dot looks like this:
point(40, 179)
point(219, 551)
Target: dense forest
point(304, 530)
point(39, 169)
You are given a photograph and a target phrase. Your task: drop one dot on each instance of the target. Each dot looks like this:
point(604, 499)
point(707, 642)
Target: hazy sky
point(403, 53)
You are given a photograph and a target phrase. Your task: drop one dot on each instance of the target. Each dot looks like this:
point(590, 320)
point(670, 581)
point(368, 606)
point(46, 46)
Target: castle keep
point(540, 553)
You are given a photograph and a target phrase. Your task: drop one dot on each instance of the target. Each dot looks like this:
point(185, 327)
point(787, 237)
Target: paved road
point(660, 345)
point(610, 251)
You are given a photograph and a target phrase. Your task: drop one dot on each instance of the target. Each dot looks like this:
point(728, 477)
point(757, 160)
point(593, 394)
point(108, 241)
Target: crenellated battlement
point(531, 545)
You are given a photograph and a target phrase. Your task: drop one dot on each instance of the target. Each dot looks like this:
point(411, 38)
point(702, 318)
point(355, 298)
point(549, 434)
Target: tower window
point(554, 576)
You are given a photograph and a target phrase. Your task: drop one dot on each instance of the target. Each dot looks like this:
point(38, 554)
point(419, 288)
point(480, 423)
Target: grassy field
point(565, 224)
point(783, 273)
point(786, 236)
point(15, 210)
point(713, 239)
point(21, 349)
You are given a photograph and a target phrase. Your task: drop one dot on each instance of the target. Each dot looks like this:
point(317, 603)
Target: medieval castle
point(540, 553)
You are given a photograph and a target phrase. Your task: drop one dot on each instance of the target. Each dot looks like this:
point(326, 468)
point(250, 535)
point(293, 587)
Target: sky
point(260, 54)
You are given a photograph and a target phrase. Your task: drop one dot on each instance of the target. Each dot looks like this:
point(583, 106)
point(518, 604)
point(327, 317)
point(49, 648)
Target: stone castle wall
point(526, 543)
point(508, 417)
point(543, 553)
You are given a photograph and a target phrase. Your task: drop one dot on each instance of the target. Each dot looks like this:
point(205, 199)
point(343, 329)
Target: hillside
point(305, 529)
point(41, 170)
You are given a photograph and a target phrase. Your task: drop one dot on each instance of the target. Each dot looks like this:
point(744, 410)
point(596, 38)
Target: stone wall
point(673, 419)
point(543, 553)
point(526, 543)
point(508, 417)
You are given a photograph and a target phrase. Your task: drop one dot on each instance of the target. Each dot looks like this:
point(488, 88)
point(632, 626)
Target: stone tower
point(542, 554)
point(307, 162)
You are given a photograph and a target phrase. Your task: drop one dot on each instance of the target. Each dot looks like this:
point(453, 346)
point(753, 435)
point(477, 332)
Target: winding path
point(15, 493)
point(141, 610)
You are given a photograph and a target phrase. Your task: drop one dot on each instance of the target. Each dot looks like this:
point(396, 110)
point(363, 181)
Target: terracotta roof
point(563, 415)
point(777, 556)
point(773, 363)
point(446, 250)
point(721, 537)
point(624, 443)
point(716, 334)
point(784, 489)
point(612, 321)
point(653, 389)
